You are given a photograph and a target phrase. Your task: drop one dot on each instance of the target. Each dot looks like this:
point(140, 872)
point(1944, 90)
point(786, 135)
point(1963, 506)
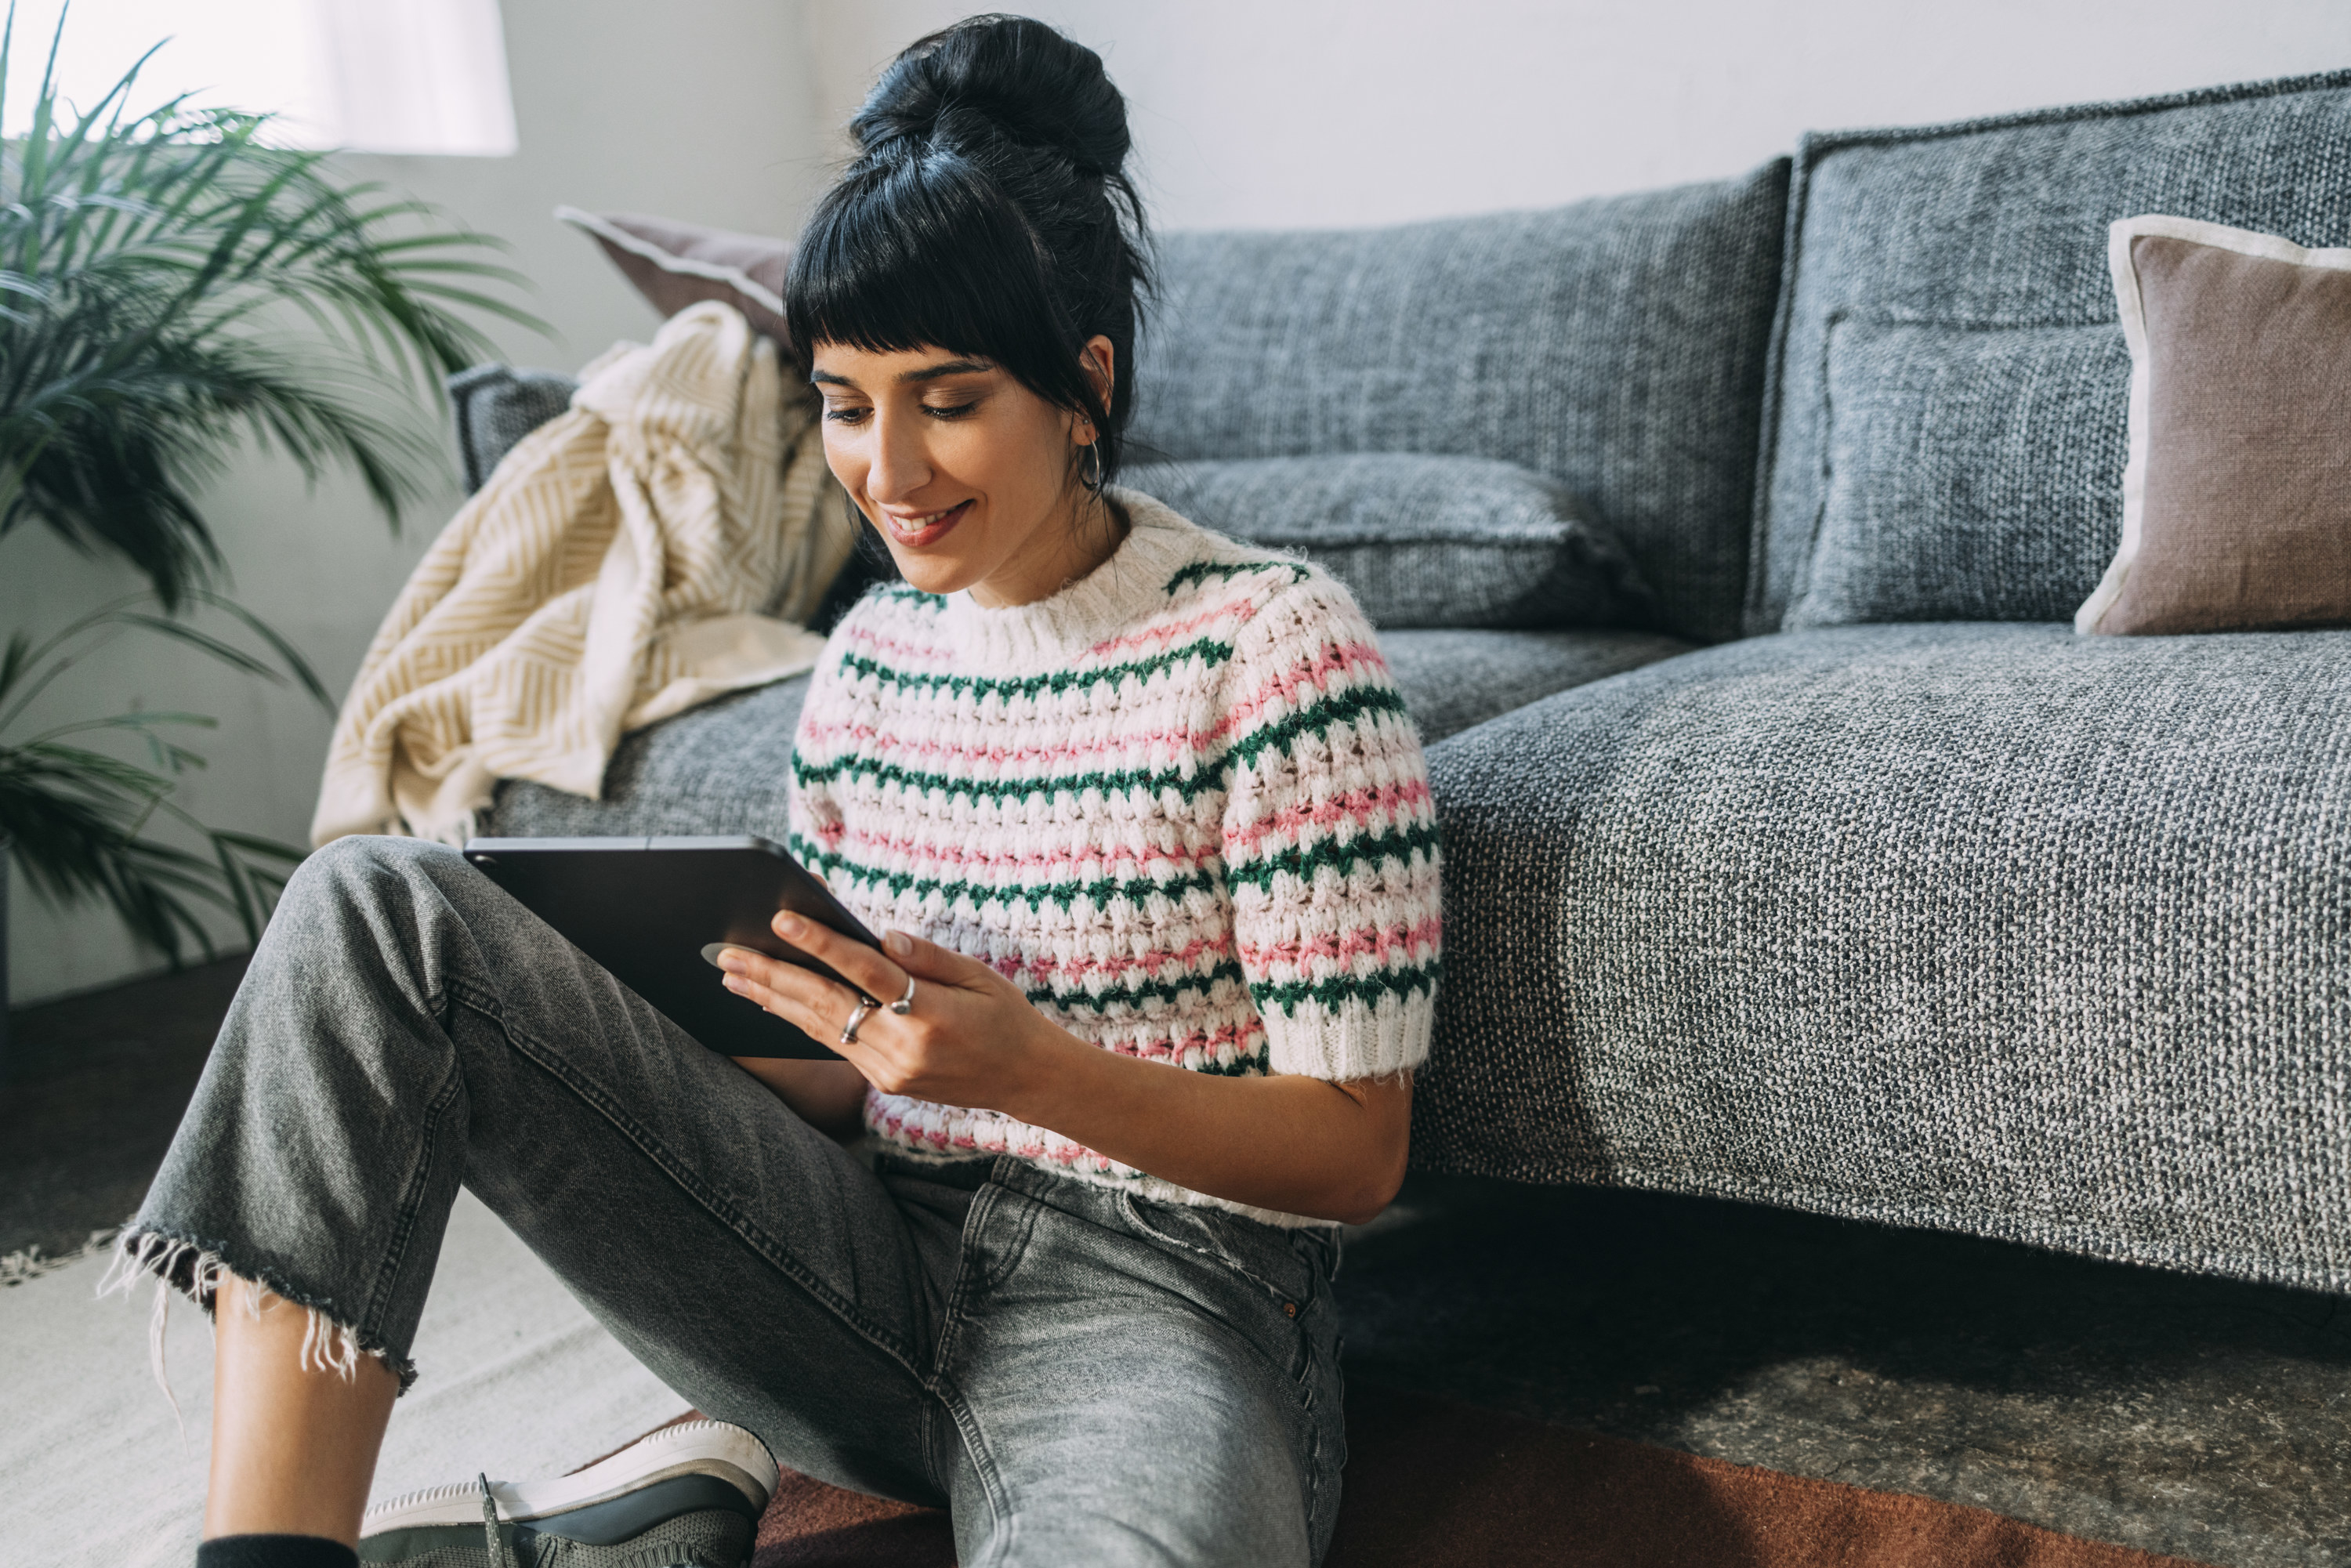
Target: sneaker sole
point(710, 1448)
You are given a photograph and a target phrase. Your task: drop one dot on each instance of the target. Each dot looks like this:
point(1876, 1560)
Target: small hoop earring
point(1095, 482)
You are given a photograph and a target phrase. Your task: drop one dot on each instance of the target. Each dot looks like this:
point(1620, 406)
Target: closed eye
point(858, 415)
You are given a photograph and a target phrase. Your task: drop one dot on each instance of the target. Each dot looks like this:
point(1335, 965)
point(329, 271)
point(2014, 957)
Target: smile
point(916, 532)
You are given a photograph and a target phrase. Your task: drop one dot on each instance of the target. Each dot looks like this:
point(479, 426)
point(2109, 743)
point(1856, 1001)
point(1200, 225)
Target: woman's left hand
point(968, 1039)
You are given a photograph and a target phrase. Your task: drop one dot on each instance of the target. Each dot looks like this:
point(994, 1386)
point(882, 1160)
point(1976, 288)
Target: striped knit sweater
point(1179, 802)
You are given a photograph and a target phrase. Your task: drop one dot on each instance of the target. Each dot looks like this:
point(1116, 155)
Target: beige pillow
point(2236, 493)
point(675, 265)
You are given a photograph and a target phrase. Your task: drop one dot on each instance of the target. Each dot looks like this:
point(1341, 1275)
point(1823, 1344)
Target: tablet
point(655, 912)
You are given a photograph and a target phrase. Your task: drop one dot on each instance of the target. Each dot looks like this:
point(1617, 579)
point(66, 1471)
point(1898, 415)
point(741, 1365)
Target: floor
point(2199, 1417)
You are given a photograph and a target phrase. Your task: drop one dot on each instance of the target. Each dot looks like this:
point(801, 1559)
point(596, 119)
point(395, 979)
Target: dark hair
point(988, 213)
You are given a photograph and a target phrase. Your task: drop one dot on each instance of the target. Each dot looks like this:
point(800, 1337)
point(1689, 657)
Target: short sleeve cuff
point(1354, 1039)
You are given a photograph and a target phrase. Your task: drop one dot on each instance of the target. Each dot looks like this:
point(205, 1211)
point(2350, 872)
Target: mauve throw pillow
point(675, 265)
point(1421, 541)
point(2237, 496)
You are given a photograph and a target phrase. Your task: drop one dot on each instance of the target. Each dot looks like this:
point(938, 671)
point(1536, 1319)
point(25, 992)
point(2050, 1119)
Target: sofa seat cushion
point(725, 766)
point(1978, 927)
point(722, 768)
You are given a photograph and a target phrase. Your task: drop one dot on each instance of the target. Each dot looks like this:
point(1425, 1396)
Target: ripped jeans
point(1080, 1374)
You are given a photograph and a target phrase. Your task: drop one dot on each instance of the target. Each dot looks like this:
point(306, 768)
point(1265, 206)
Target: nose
point(901, 467)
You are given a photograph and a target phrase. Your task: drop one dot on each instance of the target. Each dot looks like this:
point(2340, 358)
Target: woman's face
point(964, 471)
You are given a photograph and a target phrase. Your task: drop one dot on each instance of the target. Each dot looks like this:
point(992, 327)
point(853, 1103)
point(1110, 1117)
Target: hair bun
point(1006, 76)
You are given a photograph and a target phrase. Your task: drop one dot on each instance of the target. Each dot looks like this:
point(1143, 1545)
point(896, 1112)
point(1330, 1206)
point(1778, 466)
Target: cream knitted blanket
point(612, 572)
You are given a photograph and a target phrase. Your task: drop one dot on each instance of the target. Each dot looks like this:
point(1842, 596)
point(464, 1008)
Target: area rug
point(518, 1380)
point(515, 1379)
point(1432, 1483)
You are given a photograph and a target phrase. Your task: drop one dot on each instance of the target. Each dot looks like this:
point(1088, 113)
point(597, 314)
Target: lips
point(927, 529)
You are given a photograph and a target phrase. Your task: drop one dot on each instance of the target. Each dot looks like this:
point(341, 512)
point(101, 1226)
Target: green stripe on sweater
point(1344, 855)
point(1201, 570)
point(1350, 705)
point(1146, 990)
point(1304, 864)
point(1417, 979)
point(1210, 650)
point(1100, 891)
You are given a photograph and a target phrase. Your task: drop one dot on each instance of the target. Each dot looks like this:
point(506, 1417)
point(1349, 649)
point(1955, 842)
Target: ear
point(1100, 360)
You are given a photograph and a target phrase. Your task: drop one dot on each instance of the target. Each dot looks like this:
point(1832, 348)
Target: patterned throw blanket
point(647, 550)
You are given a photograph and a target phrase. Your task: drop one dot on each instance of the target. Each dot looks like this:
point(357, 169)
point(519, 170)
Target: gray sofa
point(1855, 882)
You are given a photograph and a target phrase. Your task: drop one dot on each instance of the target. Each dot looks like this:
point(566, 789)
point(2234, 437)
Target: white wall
point(701, 107)
point(1276, 113)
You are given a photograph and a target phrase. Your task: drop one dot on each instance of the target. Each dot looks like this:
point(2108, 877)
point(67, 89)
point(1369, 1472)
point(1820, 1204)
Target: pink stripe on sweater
point(1359, 806)
point(1149, 962)
point(861, 633)
point(916, 854)
point(1329, 660)
point(1169, 631)
point(1345, 946)
point(868, 742)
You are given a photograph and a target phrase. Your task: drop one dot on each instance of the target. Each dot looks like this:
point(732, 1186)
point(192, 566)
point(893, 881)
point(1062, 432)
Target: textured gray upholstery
point(1420, 540)
point(1950, 385)
point(1454, 679)
point(1985, 927)
point(1615, 346)
point(498, 405)
point(721, 768)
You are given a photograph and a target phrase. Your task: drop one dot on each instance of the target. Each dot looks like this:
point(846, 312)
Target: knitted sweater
point(1179, 802)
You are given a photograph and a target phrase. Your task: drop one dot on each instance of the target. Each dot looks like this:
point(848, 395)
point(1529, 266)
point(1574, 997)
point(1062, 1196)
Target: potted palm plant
point(174, 284)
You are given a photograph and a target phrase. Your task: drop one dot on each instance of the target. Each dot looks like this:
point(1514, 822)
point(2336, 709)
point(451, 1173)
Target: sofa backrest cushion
point(1947, 427)
point(496, 405)
point(1421, 541)
point(1616, 347)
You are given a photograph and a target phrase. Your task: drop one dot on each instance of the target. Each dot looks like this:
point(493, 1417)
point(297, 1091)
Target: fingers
point(852, 961)
point(929, 961)
point(799, 997)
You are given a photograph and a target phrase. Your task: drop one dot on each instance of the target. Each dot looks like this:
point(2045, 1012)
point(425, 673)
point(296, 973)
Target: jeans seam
point(602, 1101)
point(983, 1463)
point(411, 1202)
point(969, 1285)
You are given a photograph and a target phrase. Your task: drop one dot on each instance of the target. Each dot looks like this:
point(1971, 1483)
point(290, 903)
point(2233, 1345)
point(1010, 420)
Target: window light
point(417, 77)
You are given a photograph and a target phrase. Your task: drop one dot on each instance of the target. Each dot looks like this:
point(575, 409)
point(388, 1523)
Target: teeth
point(912, 523)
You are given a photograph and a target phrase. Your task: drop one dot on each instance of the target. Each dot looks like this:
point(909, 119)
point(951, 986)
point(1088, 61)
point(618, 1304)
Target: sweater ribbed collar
point(1116, 597)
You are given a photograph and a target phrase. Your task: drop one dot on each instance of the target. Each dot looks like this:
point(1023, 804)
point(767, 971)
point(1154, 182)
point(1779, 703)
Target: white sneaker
point(688, 1496)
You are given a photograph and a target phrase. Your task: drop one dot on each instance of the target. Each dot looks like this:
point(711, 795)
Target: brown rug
point(1436, 1484)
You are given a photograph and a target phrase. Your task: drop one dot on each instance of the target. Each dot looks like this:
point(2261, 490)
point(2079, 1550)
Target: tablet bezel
point(645, 908)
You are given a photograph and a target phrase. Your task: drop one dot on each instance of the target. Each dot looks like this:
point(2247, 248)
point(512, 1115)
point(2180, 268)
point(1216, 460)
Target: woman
point(1148, 833)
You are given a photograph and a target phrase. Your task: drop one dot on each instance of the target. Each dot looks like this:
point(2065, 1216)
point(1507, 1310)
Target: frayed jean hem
point(192, 1268)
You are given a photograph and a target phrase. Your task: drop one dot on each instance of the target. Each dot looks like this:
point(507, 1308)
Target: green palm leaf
point(77, 819)
point(174, 286)
point(171, 284)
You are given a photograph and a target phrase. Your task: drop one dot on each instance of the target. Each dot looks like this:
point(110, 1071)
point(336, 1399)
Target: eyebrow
point(926, 373)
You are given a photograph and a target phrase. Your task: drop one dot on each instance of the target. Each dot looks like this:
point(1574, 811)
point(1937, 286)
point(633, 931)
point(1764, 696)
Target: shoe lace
point(499, 1556)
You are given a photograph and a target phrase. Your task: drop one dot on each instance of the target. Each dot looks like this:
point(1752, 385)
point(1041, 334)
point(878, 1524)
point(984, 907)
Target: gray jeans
point(1080, 1374)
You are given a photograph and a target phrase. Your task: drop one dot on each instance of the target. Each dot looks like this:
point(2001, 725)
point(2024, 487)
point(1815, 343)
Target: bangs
point(927, 255)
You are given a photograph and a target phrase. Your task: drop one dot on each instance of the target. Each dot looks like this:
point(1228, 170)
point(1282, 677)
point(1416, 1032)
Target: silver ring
point(905, 1004)
point(849, 1030)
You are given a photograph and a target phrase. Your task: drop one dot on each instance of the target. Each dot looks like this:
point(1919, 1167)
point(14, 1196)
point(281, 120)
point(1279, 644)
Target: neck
point(1086, 535)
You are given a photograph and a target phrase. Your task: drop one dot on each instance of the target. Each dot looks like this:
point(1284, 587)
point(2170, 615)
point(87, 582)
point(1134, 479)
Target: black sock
point(275, 1551)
